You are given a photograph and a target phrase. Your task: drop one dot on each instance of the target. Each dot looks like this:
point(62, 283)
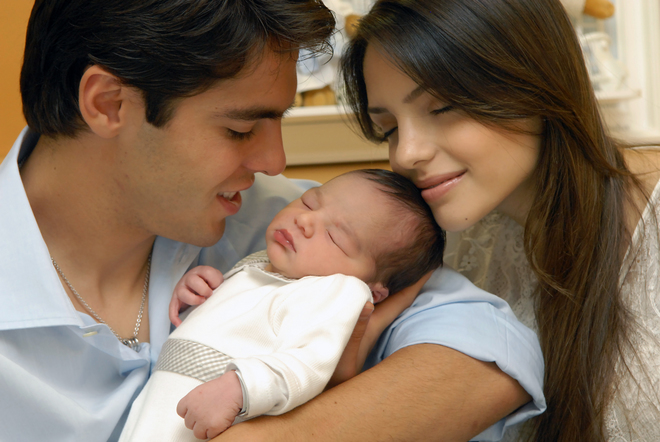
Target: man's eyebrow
point(408, 99)
point(254, 113)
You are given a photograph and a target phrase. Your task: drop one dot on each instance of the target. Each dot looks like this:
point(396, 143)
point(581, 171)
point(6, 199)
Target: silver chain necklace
point(129, 342)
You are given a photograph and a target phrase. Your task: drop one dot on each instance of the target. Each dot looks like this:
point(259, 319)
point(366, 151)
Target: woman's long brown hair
point(500, 61)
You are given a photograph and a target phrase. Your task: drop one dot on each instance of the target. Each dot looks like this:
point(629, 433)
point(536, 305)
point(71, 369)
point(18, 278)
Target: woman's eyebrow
point(412, 96)
point(376, 110)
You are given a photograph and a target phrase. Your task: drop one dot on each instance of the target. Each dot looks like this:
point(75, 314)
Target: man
point(148, 121)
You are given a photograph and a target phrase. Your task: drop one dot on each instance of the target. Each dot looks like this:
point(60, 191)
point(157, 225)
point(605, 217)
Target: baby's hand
point(193, 289)
point(211, 408)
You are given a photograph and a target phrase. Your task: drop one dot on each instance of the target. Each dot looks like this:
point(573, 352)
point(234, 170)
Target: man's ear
point(100, 99)
point(378, 291)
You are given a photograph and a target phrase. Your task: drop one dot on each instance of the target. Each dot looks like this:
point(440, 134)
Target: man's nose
point(268, 155)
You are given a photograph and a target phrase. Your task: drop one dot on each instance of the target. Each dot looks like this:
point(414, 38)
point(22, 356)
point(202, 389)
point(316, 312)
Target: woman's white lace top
point(492, 256)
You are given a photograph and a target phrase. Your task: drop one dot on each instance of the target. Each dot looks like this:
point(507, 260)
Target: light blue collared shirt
point(64, 377)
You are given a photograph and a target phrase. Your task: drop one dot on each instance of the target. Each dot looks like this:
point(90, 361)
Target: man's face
point(182, 180)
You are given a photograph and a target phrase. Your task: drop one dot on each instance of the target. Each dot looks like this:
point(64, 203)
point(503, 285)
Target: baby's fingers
point(211, 275)
point(182, 408)
point(197, 291)
point(175, 308)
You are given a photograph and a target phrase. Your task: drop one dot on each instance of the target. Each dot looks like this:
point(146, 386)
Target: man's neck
point(70, 184)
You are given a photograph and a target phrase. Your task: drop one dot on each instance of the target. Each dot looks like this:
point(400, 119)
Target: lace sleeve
point(492, 256)
point(635, 414)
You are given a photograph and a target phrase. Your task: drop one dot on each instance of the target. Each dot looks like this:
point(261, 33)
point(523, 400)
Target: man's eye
point(239, 136)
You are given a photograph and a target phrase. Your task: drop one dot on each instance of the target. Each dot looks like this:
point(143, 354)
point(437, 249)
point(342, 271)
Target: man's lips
point(231, 201)
point(283, 237)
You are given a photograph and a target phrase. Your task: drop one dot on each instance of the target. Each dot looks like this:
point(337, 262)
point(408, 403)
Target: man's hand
point(371, 323)
point(193, 289)
point(211, 408)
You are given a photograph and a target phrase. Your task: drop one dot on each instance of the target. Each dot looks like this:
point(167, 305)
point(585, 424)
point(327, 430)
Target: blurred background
point(622, 50)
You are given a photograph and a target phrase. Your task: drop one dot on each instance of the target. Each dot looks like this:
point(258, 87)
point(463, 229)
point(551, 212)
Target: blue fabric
point(451, 311)
point(56, 383)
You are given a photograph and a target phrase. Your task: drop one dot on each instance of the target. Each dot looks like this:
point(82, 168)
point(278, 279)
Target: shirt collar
point(32, 294)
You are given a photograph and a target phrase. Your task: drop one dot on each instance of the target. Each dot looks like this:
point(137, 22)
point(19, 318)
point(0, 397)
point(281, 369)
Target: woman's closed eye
point(387, 134)
point(442, 110)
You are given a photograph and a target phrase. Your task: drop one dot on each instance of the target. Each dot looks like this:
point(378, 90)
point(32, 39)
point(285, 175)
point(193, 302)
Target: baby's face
point(336, 228)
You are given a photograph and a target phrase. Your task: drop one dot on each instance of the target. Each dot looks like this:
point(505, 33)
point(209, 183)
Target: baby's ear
point(378, 291)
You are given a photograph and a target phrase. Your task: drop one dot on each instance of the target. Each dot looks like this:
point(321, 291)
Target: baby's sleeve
point(312, 320)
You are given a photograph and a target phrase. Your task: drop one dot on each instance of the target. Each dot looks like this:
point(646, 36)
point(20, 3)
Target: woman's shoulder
point(644, 163)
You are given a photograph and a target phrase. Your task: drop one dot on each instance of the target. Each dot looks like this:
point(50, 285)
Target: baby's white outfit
point(283, 336)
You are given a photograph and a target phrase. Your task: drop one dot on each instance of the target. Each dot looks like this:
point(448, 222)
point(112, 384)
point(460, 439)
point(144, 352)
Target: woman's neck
point(518, 204)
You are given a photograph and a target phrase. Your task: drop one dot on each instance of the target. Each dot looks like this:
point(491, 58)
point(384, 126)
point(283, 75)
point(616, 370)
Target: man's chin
point(204, 239)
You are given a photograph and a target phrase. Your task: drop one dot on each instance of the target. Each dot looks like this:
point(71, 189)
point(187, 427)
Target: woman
point(487, 107)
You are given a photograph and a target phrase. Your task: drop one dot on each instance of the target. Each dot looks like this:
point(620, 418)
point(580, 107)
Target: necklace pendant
point(131, 343)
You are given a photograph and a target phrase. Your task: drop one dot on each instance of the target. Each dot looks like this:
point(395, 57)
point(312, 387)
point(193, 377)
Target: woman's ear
point(378, 291)
point(100, 98)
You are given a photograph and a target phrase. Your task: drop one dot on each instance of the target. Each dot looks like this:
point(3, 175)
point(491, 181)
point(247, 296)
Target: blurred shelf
point(323, 135)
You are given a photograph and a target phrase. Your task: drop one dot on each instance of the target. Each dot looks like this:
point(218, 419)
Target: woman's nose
point(412, 149)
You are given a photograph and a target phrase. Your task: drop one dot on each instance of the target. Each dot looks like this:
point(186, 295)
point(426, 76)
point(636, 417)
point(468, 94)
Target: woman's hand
point(371, 324)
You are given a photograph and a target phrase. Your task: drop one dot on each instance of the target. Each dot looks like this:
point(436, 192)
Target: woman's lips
point(438, 187)
point(283, 237)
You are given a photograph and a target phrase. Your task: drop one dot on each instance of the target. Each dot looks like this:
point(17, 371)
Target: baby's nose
point(305, 223)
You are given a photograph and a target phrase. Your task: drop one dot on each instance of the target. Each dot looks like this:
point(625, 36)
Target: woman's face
point(465, 169)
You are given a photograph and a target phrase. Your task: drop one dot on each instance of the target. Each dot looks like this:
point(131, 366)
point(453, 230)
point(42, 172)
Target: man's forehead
point(267, 60)
point(265, 91)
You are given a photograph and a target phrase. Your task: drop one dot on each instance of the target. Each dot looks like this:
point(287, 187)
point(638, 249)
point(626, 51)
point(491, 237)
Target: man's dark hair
point(401, 267)
point(168, 49)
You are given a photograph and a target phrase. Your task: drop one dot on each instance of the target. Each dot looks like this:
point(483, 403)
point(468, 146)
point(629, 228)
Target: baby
point(270, 337)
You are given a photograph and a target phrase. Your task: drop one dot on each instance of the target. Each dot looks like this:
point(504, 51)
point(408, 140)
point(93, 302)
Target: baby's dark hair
point(401, 267)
